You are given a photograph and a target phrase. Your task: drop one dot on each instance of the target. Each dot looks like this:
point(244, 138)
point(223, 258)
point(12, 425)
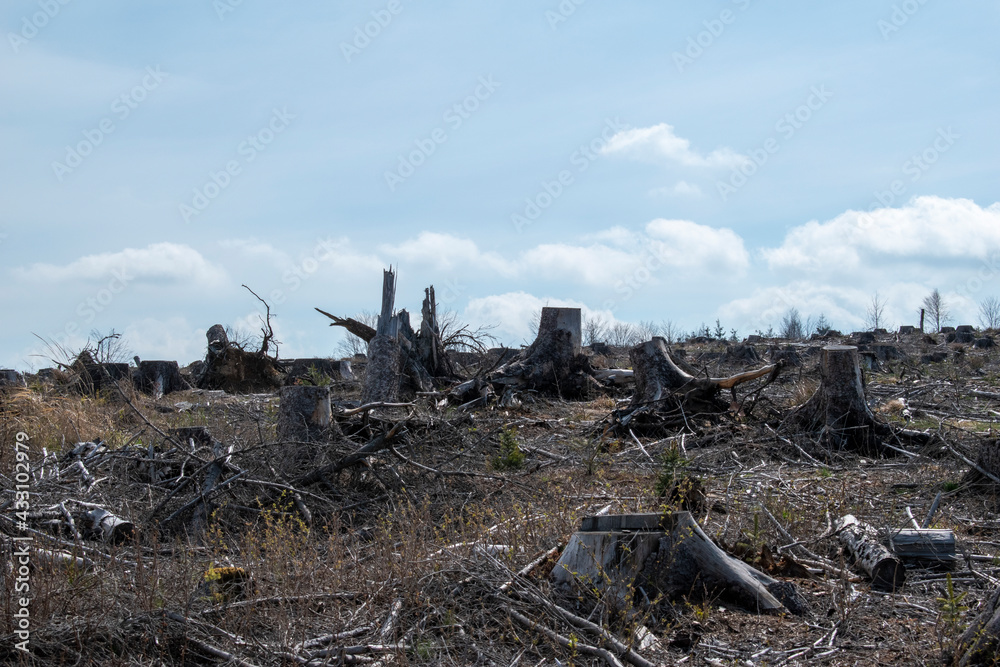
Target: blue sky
point(645, 161)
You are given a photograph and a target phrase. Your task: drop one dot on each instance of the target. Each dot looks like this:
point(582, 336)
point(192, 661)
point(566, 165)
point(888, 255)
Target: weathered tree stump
point(11, 378)
point(109, 528)
point(382, 375)
point(887, 573)
point(554, 363)
point(979, 644)
point(987, 461)
point(688, 564)
point(231, 368)
point(838, 412)
point(159, 378)
point(305, 414)
point(94, 378)
point(662, 383)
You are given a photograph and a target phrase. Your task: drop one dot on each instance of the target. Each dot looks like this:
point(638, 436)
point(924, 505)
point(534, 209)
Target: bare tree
point(595, 330)
point(989, 312)
point(669, 331)
point(351, 344)
point(622, 334)
point(937, 309)
point(791, 325)
point(646, 330)
point(875, 316)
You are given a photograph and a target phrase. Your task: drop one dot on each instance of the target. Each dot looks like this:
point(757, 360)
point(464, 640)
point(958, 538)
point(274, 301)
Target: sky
point(658, 161)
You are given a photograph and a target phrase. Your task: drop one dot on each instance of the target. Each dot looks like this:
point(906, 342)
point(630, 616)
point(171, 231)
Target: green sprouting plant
point(825, 473)
point(948, 487)
point(951, 607)
point(672, 465)
point(510, 455)
point(317, 378)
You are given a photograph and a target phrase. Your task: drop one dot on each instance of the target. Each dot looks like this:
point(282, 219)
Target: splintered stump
point(860, 541)
point(554, 363)
point(838, 412)
point(661, 384)
point(619, 555)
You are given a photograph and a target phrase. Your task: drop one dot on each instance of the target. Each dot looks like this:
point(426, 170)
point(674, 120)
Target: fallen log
point(887, 573)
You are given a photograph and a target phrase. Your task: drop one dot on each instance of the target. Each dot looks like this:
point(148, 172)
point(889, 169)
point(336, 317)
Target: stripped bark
point(887, 573)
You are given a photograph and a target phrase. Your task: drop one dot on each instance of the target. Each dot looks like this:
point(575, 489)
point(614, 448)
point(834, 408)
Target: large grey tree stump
point(838, 412)
point(554, 363)
point(382, 376)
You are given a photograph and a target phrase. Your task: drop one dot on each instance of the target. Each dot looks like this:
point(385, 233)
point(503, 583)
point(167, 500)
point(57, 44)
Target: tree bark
point(988, 459)
point(304, 414)
point(860, 540)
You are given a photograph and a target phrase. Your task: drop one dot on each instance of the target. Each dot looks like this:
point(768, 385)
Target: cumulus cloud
point(927, 228)
point(678, 189)
point(686, 244)
point(158, 263)
point(660, 142)
point(446, 252)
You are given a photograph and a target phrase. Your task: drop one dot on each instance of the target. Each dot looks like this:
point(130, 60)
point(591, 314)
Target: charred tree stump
point(979, 643)
point(688, 564)
point(838, 412)
point(663, 385)
point(159, 378)
point(554, 363)
point(860, 541)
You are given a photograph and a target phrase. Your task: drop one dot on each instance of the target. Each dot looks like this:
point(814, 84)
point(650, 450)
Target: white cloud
point(592, 265)
point(158, 262)
point(173, 338)
point(659, 141)
point(678, 189)
point(927, 228)
point(686, 244)
point(446, 252)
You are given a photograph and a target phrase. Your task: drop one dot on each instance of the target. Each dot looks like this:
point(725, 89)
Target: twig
point(563, 641)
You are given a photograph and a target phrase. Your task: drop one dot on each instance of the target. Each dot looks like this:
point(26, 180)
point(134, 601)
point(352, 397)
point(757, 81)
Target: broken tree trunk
point(554, 363)
point(235, 370)
point(384, 354)
point(688, 564)
point(661, 383)
point(429, 348)
point(838, 412)
point(860, 540)
point(359, 329)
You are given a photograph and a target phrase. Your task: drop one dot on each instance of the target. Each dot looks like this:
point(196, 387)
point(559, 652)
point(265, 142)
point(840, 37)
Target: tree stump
point(662, 383)
point(11, 378)
point(159, 378)
point(838, 412)
point(305, 414)
point(231, 368)
point(688, 564)
point(554, 363)
point(382, 374)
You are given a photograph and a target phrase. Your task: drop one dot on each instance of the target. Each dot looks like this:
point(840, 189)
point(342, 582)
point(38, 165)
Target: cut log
point(979, 643)
point(925, 547)
point(689, 565)
point(554, 363)
point(110, 528)
point(159, 378)
point(662, 384)
point(887, 573)
point(304, 414)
